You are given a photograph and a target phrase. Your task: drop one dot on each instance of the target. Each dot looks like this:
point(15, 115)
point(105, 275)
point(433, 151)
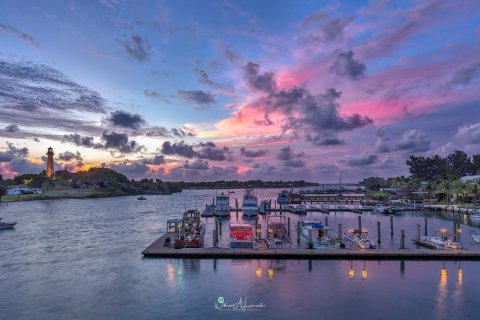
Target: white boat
point(314, 235)
point(380, 209)
point(300, 209)
point(242, 236)
point(476, 215)
point(264, 207)
point(283, 197)
point(475, 236)
point(6, 225)
point(208, 211)
point(359, 239)
point(222, 206)
point(277, 232)
point(441, 241)
point(250, 203)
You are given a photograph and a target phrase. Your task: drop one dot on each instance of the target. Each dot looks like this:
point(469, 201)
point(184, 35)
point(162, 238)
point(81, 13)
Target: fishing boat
point(475, 236)
point(6, 225)
point(283, 197)
point(264, 207)
point(277, 232)
point(242, 236)
point(250, 203)
point(208, 211)
point(314, 235)
point(359, 239)
point(222, 206)
point(192, 231)
point(141, 198)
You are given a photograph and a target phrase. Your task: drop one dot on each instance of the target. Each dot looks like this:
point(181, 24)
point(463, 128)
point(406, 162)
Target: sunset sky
point(219, 90)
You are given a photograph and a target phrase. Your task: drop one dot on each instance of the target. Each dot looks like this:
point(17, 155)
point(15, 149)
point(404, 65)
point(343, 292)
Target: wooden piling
point(379, 236)
point(402, 239)
point(391, 225)
point(288, 222)
point(360, 223)
point(220, 226)
point(236, 207)
point(326, 221)
point(298, 231)
point(454, 230)
point(214, 238)
point(340, 232)
point(418, 231)
point(426, 227)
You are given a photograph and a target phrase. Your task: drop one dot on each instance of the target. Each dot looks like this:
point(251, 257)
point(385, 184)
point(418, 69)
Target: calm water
point(81, 259)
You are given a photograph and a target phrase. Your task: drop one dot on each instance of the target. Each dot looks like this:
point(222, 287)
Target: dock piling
point(391, 225)
point(379, 236)
point(360, 223)
point(326, 221)
point(236, 207)
point(426, 227)
point(418, 231)
point(455, 230)
point(402, 239)
point(288, 222)
point(214, 238)
point(220, 226)
point(298, 231)
point(340, 232)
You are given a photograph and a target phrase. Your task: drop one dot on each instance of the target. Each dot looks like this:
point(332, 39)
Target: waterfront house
point(17, 190)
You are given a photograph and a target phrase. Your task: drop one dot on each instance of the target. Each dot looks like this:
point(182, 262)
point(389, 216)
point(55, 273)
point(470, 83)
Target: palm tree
point(472, 189)
point(445, 188)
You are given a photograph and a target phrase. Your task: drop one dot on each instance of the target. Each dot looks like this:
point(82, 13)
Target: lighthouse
point(50, 162)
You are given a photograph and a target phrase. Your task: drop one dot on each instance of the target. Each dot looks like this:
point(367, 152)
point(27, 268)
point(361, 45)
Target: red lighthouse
point(50, 162)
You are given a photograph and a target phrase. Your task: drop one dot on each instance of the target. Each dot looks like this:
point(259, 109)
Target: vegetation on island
point(235, 184)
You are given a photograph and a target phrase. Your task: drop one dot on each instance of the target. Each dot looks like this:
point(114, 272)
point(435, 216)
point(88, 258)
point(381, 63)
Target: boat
point(208, 211)
point(440, 240)
point(242, 236)
point(141, 198)
point(359, 239)
point(475, 215)
point(381, 209)
point(283, 197)
point(277, 232)
point(6, 225)
point(475, 236)
point(264, 207)
point(250, 203)
point(314, 235)
point(299, 209)
point(192, 231)
point(222, 206)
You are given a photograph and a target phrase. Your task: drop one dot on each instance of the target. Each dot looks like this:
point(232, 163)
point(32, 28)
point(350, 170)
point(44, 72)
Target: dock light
point(270, 230)
point(443, 272)
point(364, 230)
point(351, 230)
point(258, 272)
point(270, 273)
point(259, 229)
point(460, 275)
point(351, 272)
point(364, 272)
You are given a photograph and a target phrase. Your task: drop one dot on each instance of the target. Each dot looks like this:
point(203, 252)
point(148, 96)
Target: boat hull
point(250, 212)
point(221, 213)
point(6, 226)
point(236, 244)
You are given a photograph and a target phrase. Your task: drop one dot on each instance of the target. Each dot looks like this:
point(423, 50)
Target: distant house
point(16, 190)
point(390, 190)
point(470, 178)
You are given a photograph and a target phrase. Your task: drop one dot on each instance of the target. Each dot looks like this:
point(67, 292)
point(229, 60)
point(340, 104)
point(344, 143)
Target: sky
point(223, 90)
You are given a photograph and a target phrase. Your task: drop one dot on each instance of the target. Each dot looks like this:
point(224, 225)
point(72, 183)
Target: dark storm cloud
point(138, 47)
point(360, 161)
point(125, 120)
point(19, 34)
point(324, 28)
point(26, 86)
point(196, 165)
point(253, 153)
point(467, 75)
point(346, 66)
point(469, 134)
point(414, 141)
point(210, 151)
point(12, 153)
point(155, 160)
point(178, 148)
point(120, 142)
point(12, 128)
point(262, 82)
point(201, 99)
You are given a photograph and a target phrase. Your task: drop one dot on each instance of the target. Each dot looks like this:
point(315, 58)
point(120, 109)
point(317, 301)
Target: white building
point(23, 190)
point(470, 178)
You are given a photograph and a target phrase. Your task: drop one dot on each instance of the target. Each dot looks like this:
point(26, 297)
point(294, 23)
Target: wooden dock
point(158, 249)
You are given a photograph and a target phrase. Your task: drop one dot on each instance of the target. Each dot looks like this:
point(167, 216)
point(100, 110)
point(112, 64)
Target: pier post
point(217, 226)
point(455, 230)
point(326, 221)
point(340, 232)
point(426, 227)
point(360, 223)
point(379, 236)
point(220, 226)
point(391, 225)
point(236, 207)
point(310, 240)
point(402, 239)
point(298, 231)
point(214, 238)
point(288, 222)
point(418, 231)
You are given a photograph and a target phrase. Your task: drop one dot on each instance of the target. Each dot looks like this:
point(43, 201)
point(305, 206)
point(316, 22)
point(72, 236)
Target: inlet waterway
point(81, 259)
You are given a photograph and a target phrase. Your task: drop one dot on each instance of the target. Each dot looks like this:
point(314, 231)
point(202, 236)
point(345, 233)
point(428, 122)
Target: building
point(17, 190)
point(50, 169)
point(470, 178)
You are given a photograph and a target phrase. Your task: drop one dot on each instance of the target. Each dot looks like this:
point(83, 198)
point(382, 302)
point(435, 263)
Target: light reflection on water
point(81, 259)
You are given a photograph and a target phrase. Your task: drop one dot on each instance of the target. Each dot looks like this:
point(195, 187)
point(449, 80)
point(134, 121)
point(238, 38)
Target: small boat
point(475, 215)
point(381, 209)
point(242, 236)
point(250, 203)
point(208, 211)
point(277, 232)
point(222, 206)
point(299, 209)
point(192, 231)
point(283, 197)
point(264, 207)
point(314, 235)
point(6, 225)
point(231, 191)
point(440, 241)
point(475, 236)
point(359, 239)
point(141, 198)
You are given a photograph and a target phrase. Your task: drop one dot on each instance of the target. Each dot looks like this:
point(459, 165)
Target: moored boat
point(242, 236)
point(264, 207)
point(250, 203)
point(277, 232)
point(208, 211)
point(359, 239)
point(6, 225)
point(475, 236)
point(314, 235)
point(440, 240)
point(475, 215)
point(222, 206)
point(192, 231)
point(141, 198)
point(283, 197)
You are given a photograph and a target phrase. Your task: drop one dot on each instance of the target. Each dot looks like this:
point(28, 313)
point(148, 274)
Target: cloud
point(131, 169)
point(201, 99)
point(383, 145)
point(414, 141)
point(69, 156)
point(262, 82)
point(360, 161)
point(291, 159)
point(324, 140)
point(31, 87)
point(203, 77)
point(202, 150)
point(253, 153)
point(183, 132)
point(465, 76)
point(180, 148)
point(138, 47)
point(12, 128)
point(231, 56)
point(324, 28)
point(196, 165)
point(156, 95)
point(81, 141)
point(125, 120)
point(19, 34)
point(12, 152)
point(470, 134)
point(155, 160)
point(120, 142)
point(346, 66)
point(157, 131)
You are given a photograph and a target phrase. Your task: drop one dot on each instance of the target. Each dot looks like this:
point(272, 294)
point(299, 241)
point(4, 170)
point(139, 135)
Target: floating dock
point(158, 249)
